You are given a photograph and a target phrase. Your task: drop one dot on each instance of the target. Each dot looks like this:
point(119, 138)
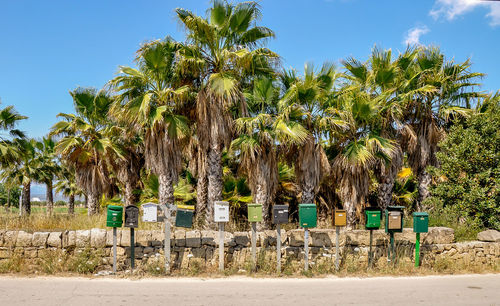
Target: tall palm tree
point(47, 168)
point(86, 143)
point(258, 139)
point(8, 121)
point(23, 170)
point(310, 93)
point(359, 146)
point(225, 47)
point(449, 92)
point(150, 100)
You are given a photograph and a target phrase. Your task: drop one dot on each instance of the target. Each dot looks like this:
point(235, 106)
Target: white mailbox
point(221, 211)
point(150, 212)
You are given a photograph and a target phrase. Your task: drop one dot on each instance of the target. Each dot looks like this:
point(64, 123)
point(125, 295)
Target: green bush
point(468, 180)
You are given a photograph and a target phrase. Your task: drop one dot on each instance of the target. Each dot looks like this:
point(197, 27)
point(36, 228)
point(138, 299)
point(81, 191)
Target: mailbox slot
point(221, 211)
point(114, 216)
point(254, 212)
point(339, 217)
point(132, 216)
point(280, 214)
point(307, 215)
point(184, 216)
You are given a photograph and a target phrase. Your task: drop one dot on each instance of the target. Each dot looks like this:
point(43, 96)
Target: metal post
point(417, 251)
point(337, 234)
point(370, 254)
point(278, 248)
point(132, 248)
point(167, 244)
point(254, 246)
point(221, 246)
point(306, 249)
point(393, 255)
point(114, 250)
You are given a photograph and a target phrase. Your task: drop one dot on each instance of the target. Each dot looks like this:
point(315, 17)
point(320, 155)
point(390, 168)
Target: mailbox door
point(132, 216)
point(254, 212)
point(184, 218)
point(340, 218)
point(394, 220)
point(221, 211)
point(280, 214)
point(372, 219)
point(307, 215)
point(114, 217)
point(420, 222)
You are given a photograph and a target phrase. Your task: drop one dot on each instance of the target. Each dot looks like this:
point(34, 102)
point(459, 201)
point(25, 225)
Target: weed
point(84, 261)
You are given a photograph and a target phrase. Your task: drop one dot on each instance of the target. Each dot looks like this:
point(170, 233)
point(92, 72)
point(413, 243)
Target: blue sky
point(50, 47)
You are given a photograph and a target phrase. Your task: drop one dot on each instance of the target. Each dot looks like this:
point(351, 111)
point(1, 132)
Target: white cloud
point(413, 35)
point(450, 9)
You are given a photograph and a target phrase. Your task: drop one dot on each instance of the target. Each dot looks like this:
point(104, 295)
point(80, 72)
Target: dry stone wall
point(201, 246)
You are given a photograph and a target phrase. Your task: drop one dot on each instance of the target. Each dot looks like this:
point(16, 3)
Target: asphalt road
point(432, 290)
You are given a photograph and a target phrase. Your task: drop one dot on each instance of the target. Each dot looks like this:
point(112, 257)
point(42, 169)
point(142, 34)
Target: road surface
point(431, 290)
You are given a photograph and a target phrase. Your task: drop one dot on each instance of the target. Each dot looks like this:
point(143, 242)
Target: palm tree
point(310, 93)
point(47, 168)
point(8, 120)
point(359, 146)
point(23, 170)
point(86, 143)
point(66, 184)
point(149, 101)
point(257, 143)
point(225, 48)
point(446, 91)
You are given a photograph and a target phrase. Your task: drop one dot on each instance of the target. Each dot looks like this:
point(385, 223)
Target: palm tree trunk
point(71, 204)
point(92, 203)
point(129, 196)
point(166, 189)
point(215, 183)
point(387, 176)
point(26, 209)
point(201, 199)
point(50, 198)
point(350, 208)
point(261, 198)
point(307, 194)
point(424, 181)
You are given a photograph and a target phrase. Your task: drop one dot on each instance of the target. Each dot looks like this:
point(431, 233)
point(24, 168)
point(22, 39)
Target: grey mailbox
point(280, 214)
point(131, 216)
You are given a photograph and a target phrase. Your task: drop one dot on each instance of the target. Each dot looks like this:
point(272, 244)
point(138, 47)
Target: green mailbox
point(372, 218)
point(420, 222)
point(114, 216)
point(307, 215)
point(184, 216)
point(254, 212)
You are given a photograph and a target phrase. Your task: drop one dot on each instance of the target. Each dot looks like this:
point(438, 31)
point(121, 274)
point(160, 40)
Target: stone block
point(109, 237)
point(69, 239)
point(180, 238)
point(242, 238)
point(193, 239)
point(125, 238)
point(82, 239)
point(97, 238)
point(24, 239)
point(488, 235)
point(438, 235)
point(9, 238)
point(31, 252)
point(40, 239)
point(142, 238)
point(55, 240)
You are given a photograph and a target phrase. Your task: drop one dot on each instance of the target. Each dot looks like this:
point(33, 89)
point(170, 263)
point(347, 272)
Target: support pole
point(370, 254)
point(393, 255)
point(417, 251)
point(254, 246)
point(114, 250)
point(278, 248)
point(221, 246)
point(132, 248)
point(306, 249)
point(167, 244)
point(337, 234)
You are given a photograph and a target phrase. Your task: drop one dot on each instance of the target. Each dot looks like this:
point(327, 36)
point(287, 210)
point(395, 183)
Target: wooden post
point(221, 246)
point(306, 249)
point(337, 234)
point(114, 250)
point(278, 247)
point(254, 246)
